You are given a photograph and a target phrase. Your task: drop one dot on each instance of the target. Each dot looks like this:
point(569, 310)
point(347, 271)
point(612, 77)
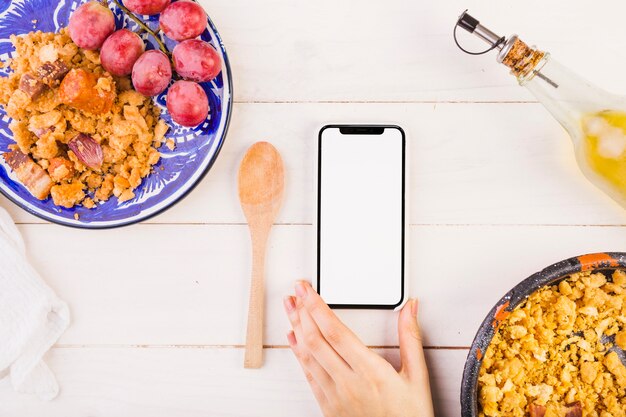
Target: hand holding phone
point(335, 360)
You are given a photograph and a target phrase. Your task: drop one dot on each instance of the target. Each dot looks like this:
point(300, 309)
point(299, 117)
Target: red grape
point(146, 7)
point(196, 60)
point(91, 24)
point(187, 103)
point(152, 73)
point(182, 20)
point(120, 52)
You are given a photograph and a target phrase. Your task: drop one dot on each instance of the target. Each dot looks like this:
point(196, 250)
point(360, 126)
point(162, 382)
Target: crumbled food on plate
point(81, 135)
point(558, 354)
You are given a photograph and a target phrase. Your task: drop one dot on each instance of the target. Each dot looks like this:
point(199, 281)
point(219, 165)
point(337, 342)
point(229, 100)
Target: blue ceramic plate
point(177, 172)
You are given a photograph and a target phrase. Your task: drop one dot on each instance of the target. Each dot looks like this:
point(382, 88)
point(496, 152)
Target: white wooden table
point(158, 309)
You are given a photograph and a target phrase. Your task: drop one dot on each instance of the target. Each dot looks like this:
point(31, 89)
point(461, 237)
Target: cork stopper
point(521, 58)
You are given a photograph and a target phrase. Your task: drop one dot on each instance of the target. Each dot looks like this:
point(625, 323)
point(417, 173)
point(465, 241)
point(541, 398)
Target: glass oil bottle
point(594, 118)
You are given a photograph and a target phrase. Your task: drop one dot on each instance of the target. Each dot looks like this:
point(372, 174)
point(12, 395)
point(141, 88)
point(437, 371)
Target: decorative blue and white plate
point(178, 171)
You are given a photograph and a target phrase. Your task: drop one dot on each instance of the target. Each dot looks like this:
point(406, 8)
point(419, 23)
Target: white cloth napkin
point(32, 317)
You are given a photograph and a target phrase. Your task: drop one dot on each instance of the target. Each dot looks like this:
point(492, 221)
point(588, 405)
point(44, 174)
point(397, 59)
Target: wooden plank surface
point(196, 382)
point(188, 284)
point(402, 50)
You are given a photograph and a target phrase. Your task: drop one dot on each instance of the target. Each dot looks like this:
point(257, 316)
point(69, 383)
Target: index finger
point(340, 337)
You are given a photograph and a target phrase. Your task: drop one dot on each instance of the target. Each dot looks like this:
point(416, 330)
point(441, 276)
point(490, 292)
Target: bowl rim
point(518, 294)
point(138, 218)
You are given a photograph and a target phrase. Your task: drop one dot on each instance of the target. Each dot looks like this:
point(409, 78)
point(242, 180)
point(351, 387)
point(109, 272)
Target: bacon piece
point(574, 410)
point(34, 177)
point(537, 410)
point(78, 90)
point(51, 73)
point(31, 86)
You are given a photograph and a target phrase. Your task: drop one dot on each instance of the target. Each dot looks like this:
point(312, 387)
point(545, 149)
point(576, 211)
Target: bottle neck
point(565, 94)
point(521, 58)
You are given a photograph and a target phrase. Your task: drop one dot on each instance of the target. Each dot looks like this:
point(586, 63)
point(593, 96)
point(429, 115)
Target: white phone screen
point(361, 216)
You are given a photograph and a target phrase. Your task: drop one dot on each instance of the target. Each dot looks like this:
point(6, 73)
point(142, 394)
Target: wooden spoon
point(261, 185)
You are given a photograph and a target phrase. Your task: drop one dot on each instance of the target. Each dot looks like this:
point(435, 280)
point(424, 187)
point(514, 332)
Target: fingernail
point(414, 307)
point(289, 304)
point(291, 338)
point(301, 289)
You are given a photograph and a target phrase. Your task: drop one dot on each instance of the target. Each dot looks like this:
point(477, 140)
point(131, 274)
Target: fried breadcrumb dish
point(81, 135)
point(560, 353)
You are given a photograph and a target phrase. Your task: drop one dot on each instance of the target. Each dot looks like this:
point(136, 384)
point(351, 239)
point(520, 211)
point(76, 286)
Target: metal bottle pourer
point(512, 52)
point(473, 26)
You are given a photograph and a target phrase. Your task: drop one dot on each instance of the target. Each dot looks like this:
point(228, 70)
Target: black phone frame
point(369, 129)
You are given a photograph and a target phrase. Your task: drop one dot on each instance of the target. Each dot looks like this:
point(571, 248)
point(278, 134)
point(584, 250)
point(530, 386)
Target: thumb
point(411, 351)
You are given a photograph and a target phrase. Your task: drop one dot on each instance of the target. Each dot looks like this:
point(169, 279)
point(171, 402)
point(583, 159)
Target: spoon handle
point(254, 336)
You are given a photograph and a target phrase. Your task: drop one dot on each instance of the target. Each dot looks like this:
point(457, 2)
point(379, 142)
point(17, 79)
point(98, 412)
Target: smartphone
point(361, 216)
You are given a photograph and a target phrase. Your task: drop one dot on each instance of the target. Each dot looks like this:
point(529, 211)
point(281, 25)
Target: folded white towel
point(32, 317)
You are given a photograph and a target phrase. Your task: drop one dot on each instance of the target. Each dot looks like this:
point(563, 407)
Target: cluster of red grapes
point(122, 52)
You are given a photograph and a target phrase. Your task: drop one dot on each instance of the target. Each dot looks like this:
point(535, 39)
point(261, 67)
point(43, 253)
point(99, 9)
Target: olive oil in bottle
point(604, 141)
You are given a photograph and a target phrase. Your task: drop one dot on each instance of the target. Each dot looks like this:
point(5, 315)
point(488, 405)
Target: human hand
point(348, 379)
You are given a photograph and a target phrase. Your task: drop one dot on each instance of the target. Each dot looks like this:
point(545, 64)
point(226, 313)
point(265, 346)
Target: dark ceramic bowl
point(605, 262)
